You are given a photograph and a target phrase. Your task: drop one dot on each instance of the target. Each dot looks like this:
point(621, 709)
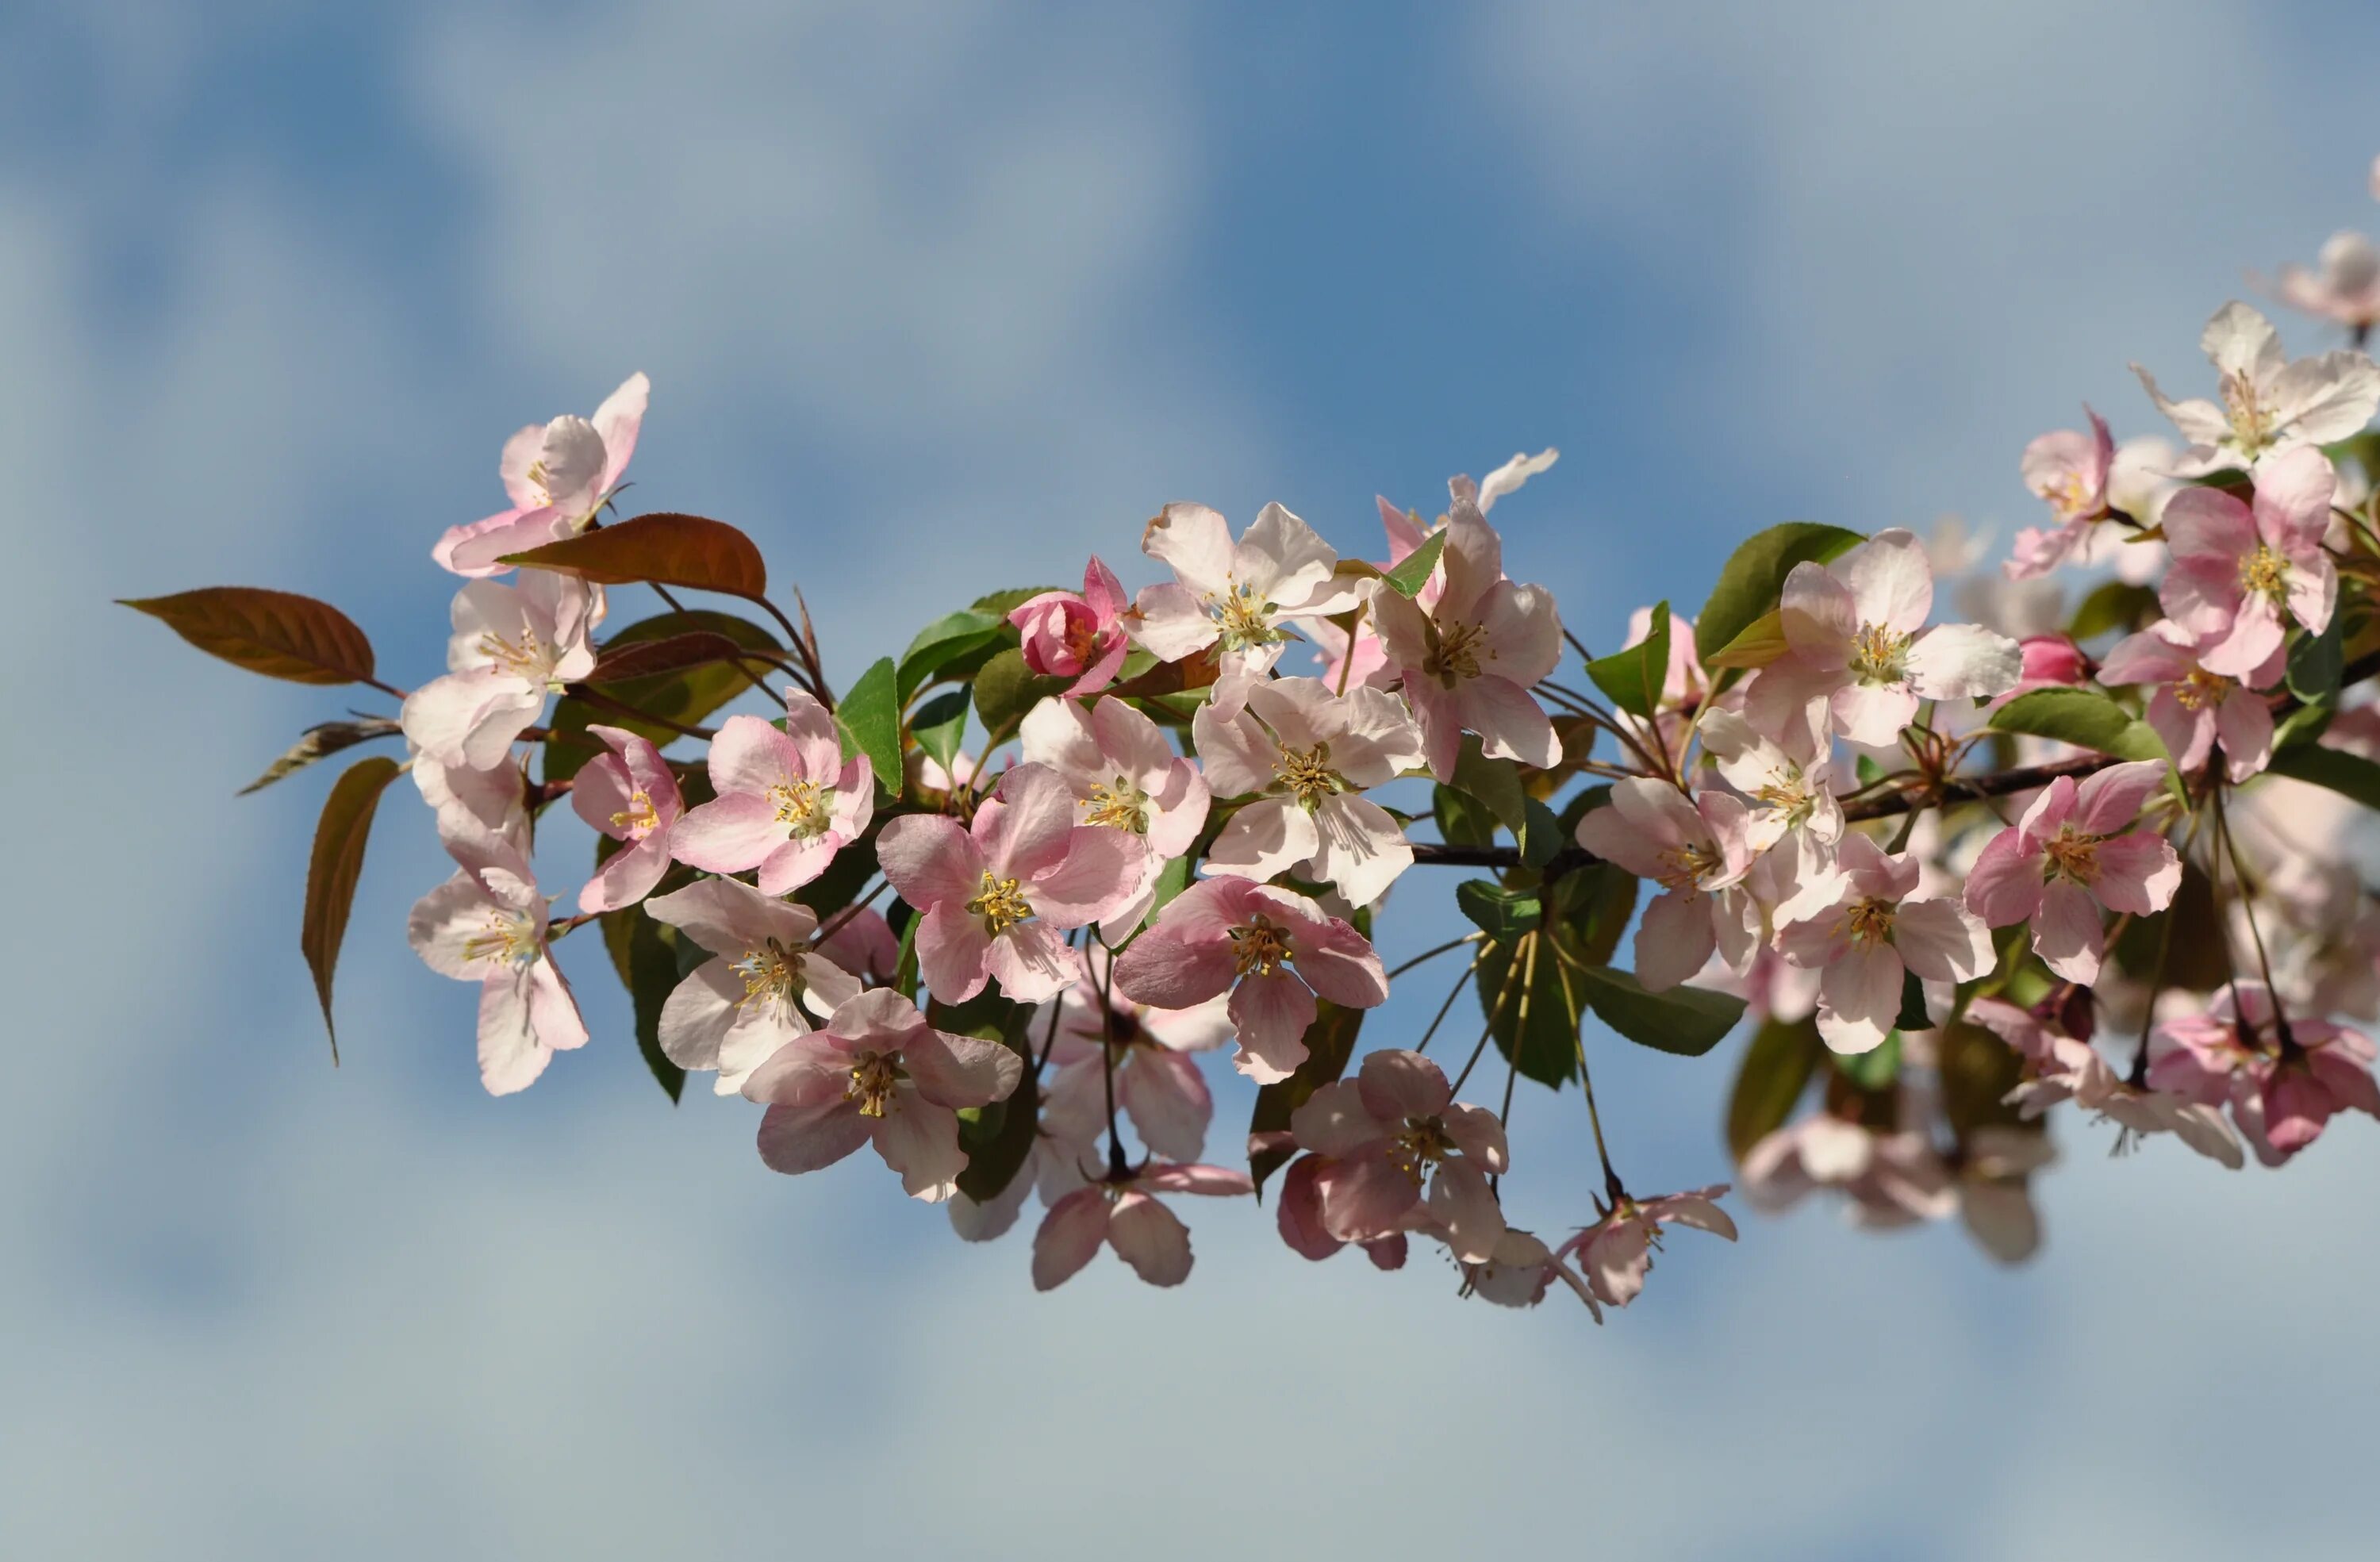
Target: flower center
point(2072, 854)
point(1000, 903)
point(523, 657)
point(1683, 866)
point(640, 818)
point(1457, 656)
point(2252, 421)
point(1117, 803)
point(2202, 689)
point(1243, 618)
point(873, 1081)
point(1880, 656)
point(1307, 774)
point(509, 940)
point(772, 973)
point(1259, 947)
point(1082, 639)
point(1870, 922)
point(2265, 574)
point(1418, 1146)
point(2066, 494)
point(1788, 793)
point(802, 808)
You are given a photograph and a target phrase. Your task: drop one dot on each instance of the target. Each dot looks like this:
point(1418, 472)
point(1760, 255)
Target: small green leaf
point(905, 966)
point(1412, 573)
point(1541, 835)
point(1777, 1069)
point(1463, 819)
point(1329, 1042)
point(998, 1140)
point(1761, 642)
point(1754, 577)
point(869, 716)
point(2086, 718)
point(1000, 604)
point(1913, 1015)
point(2114, 605)
point(2316, 662)
point(1006, 689)
point(1496, 782)
point(1634, 677)
point(1503, 915)
point(647, 954)
point(2302, 726)
point(1171, 879)
point(939, 726)
point(1688, 1022)
point(945, 644)
point(2350, 775)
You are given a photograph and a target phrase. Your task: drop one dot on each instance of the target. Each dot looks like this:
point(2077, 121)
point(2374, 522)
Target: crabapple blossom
point(1995, 1200)
point(2064, 1068)
point(2344, 285)
point(1520, 1272)
point(1056, 1165)
point(1697, 850)
point(1082, 637)
point(2270, 404)
point(631, 796)
point(1237, 597)
point(2236, 567)
point(1787, 783)
point(2072, 853)
point(1872, 934)
point(999, 895)
point(1274, 951)
point(511, 646)
point(1504, 480)
point(558, 476)
point(1125, 776)
point(769, 981)
point(1892, 1178)
point(1393, 1129)
point(1298, 1215)
point(2068, 471)
point(1304, 756)
point(787, 800)
point(488, 925)
point(1616, 1253)
point(2283, 1082)
point(477, 811)
point(2050, 661)
point(1157, 1081)
point(878, 1074)
point(2193, 708)
point(1126, 1215)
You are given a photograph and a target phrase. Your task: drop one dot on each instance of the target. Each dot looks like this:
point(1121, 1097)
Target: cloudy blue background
point(936, 299)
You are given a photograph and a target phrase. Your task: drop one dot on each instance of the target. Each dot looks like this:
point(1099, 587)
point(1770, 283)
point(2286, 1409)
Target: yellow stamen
point(2202, 689)
point(525, 656)
point(1682, 867)
point(1880, 656)
point(2265, 574)
point(1870, 922)
point(873, 1081)
point(1457, 655)
point(508, 940)
point(638, 818)
point(1307, 774)
point(803, 807)
point(1000, 903)
point(2252, 422)
point(1117, 803)
point(771, 973)
point(1258, 949)
point(1421, 1143)
point(1243, 617)
point(2072, 854)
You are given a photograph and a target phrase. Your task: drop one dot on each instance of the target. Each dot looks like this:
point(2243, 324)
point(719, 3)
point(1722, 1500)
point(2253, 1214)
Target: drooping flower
point(477, 811)
point(999, 895)
point(1237, 597)
point(1305, 755)
point(1082, 637)
point(1397, 1144)
point(1874, 933)
point(2065, 1068)
point(2236, 568)
point(1616, 1253)
point(1892, 1177)
point(486, 925)
point(1274, 950)
point(1126, 1215)
point(787, 801)
point(1158, 1085)
point(512, 646)
point(879, 1073)
point(558, 476)
point(2192, 708)
point(1298, 1215)
point(1125, 776)
point(1467, 662)
point(769, 981)
point(2343, 286)
point(1856, 629)
point(2270, 404)
point(1697, 850)
point(630, 795)
point(2068, 471)
point(2073, 852)
point(2281, 1093)
point(1994, 1191)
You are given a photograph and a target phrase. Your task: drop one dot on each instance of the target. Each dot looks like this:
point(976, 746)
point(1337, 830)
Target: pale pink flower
point(1520, 1272)
point(1856, 629)
point(2235, 568)
point(1274, 950)
point(486, 925)
point(2072, 852)
point(1298, 1213)
point(1616, 1253)
point(2270, 404)
point(1994, 1199)
point(2064, 1068)
point(787, 800)
point(1892, 1178)
point(1055, 1167)
point(1125, 776)
point(1239, 596)
point(1504, 480)
point(2343, 286)
point(477, 811)
point(558, 476)
point(1398, 1146)
point(1873, 934)
point(1786, 780)
point(1082, 637)
point(998, 895)
point(1332, 643)
point(1467, 661)
point(511, 646)
point(1305, 755)
point(2067, 470)
point(1697, 850)
point(2193, 708)
point(1125, 1216)
point(879, 1073)
point(630, 795)
point(2282, 1094)
point(2051, 661)
point(732, 1014)
point(1158, 1085)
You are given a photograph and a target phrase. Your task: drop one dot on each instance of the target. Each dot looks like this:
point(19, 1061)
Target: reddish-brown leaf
point(662, 550)
point(1195, 670)
point(647, 658)
point(338, 862)
point(279, 633)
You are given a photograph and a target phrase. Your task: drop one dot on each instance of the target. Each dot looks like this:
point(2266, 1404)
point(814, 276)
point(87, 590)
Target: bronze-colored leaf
point(645, 659)
point(663, 549)
point(278, 634)
point(338, 862)
point(320, 742)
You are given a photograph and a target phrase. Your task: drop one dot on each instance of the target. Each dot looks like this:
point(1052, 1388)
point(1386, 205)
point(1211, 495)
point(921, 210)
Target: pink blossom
point(1332, 643)
point(1389, 1131)
point(630, 795)
point(2068, 471)
point(1697, 850)
point(1892, 1178)
point(787, 800)
point(1055, 1167)
point(997, 896)
point(1157, 1081)
point(477, 811)
point(879, 1073)
point(2343, 286)
point(558, 476)
point(2070, 854)
point(1507, 478)
point(1873, 934)
point(1126, 1215)
point(2050, 661)
point(1616, 1253)
point(486, 925)
point(1298, 1213)
point(1520, 1272)
point(1994, 1199)
point(2270, 404)
point(512, 646)
point(1235, 596)
point(1786, 780)
point(1274, 950)
point(2282, 1093)
point(863, 943)
point(2193, 708)
point(2235, 568)
point(1467, 661)
point(732, 1014)
point(1302, 756)
point(1080, 638)
point(2063, 1068)
point(1125, 776)
point(1857, 635)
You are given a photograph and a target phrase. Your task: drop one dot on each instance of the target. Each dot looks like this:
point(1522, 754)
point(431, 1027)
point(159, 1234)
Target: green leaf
point(2086, 718)
point(2305, 725)
point(2316, 662)
point(1536, 1024)
point(321, 742)
point(337, 863)
point(1000, 604)
point(2350, 775)
point(2114, 605)
point(1589, 909)
point(1777, 1069)
point(1171, 879)
point(905, 966)
point(1496, 782)
point(998, 1140)
point(1541, 835)
point(870, 719)
point(1329, 1042)
point(663, 549)
point(1876, 1068)
point(687, 695)
point(1685, 1020)
point(646, 954)
point(1761, 642)
point(945, 644)
point(1006, 689)
point(278, 634)
point(1503, 915)
point(1977, 1071)
point(1412, 573)
point(1463, 819)
point(1755, 575)
point(939, 726)
point(1913, 1015)
point(1634, 677)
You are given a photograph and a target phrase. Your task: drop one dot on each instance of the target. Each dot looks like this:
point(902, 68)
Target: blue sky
point(937, 300)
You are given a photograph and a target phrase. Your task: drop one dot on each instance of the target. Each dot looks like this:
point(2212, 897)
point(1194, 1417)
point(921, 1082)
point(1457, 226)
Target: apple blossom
point(1080, 638)
point(1237, 597)
point(2068, 471)
point(631, 796)
point(2193, 708)
point(1892, 1178)
point(732, 1014)
point(1697, 850)
point(787, 799)
point(1616, 1253)
point(1298, 1215)
point(1157, 1081)
point(2072, 853)
point(1873, 933)
point(2270, 404)
point(2283, 1081)
point(1126, 1215)
point(2235, 568)
point(558, 476)
point(488, 925)
point(1125, 776)
point(511, 646)
point(1390, 1132)
point(2343, 286)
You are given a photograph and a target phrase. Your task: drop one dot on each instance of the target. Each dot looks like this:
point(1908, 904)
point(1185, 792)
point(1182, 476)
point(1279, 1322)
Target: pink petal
point(1461, 1201)
point(2067, 933)
point(920, 1141)
point(1151, 1239)
point(799, 1139)
point(1031, 961)
point(929, 860)
point(1167, 1099)
point(1270, 1013)
point(2137, 872)
point(1070, 1237)
point(1396, 1083)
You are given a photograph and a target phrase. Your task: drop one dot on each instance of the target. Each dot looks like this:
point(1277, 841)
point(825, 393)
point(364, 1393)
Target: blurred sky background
point(935, 300)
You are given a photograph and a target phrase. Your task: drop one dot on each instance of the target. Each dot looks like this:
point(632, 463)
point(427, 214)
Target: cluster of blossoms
point(1956, 874)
